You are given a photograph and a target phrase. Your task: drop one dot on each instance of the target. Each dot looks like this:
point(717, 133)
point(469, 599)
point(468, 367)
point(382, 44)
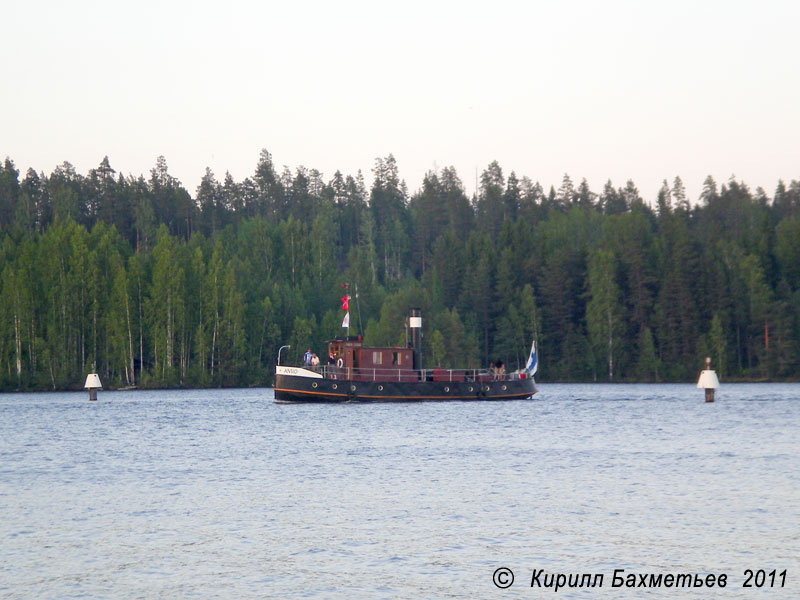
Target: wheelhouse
point(352, 360)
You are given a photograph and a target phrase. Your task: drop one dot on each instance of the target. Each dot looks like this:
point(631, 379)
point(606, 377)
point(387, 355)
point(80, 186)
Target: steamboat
point(359, 373)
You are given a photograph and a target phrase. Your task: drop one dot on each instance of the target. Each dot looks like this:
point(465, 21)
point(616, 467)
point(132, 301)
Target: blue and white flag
point(533, 362)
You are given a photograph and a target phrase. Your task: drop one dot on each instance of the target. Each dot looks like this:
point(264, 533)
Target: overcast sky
point(602, 90)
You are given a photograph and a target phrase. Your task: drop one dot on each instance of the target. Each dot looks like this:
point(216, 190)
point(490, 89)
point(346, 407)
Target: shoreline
point(269, 386)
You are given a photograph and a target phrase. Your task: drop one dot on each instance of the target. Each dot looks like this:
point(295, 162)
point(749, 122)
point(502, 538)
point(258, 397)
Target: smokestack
point(415, 324)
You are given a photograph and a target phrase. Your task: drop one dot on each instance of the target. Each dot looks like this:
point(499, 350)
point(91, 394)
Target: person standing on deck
point(499, 369)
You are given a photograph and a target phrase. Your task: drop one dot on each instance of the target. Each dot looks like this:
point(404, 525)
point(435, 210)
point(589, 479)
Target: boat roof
point(358, 340)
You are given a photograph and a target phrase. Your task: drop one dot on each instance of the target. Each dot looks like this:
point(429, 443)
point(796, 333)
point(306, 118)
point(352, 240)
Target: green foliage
point(787, 249)
point(437, 347)
point(154, 288)
point(718, 345)
point(647, 364)
point(604, 309)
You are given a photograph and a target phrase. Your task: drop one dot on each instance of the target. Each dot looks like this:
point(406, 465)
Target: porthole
point(335, 386)
point(504, 388)
point(446, 389)
point(314, 385)
point(352, 388)
point(486, 388)
point(380, 388)
point(471, 389)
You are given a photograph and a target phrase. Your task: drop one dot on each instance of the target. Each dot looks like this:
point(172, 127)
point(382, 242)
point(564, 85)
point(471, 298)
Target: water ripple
point(225, 494)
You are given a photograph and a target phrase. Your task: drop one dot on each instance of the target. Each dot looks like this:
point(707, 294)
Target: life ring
point(340, 362)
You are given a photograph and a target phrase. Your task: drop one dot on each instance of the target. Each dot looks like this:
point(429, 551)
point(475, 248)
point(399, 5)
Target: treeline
point(152, 287)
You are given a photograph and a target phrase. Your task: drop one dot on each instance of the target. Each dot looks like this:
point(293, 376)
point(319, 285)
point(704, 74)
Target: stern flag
point(346, 321)
point(533, 362)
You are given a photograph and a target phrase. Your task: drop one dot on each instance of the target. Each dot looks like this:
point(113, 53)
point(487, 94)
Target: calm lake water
point(222, 493)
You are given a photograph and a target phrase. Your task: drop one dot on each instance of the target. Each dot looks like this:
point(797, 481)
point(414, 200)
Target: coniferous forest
point(154, 287)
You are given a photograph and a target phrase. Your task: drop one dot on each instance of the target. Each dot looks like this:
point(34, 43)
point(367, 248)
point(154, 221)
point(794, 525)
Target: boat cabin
point(353, 360)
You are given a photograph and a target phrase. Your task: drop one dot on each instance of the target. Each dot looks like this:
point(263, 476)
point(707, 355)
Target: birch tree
point(604, 309)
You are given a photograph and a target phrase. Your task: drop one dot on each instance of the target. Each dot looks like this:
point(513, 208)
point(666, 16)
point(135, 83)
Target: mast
point(358, 307)
point(346, 307)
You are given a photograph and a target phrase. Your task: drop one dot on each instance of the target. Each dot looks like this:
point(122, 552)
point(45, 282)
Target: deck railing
point(395, 374)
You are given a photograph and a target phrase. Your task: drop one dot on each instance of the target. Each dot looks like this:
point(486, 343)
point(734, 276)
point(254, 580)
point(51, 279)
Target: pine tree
point(9, 193)
point(489, 208)
point(566, 196)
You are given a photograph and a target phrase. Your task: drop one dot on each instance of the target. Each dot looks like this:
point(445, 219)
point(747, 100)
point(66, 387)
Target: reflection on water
point(223, 493)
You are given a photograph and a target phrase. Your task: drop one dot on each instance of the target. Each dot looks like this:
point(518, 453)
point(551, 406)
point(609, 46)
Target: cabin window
point(376, 358)
point(397, 358)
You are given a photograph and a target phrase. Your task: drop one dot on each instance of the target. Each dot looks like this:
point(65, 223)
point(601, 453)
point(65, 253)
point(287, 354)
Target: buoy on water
point(93, 384)
point(708, 380)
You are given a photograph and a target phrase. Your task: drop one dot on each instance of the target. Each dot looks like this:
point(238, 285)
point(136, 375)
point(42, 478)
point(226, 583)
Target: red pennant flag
point(345, 304)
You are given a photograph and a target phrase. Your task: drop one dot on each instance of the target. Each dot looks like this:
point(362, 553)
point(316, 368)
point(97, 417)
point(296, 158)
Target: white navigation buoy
point(93, 384)
point(708, 381)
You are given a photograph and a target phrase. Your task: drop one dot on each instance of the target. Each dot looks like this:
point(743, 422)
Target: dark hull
point(290, 389)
